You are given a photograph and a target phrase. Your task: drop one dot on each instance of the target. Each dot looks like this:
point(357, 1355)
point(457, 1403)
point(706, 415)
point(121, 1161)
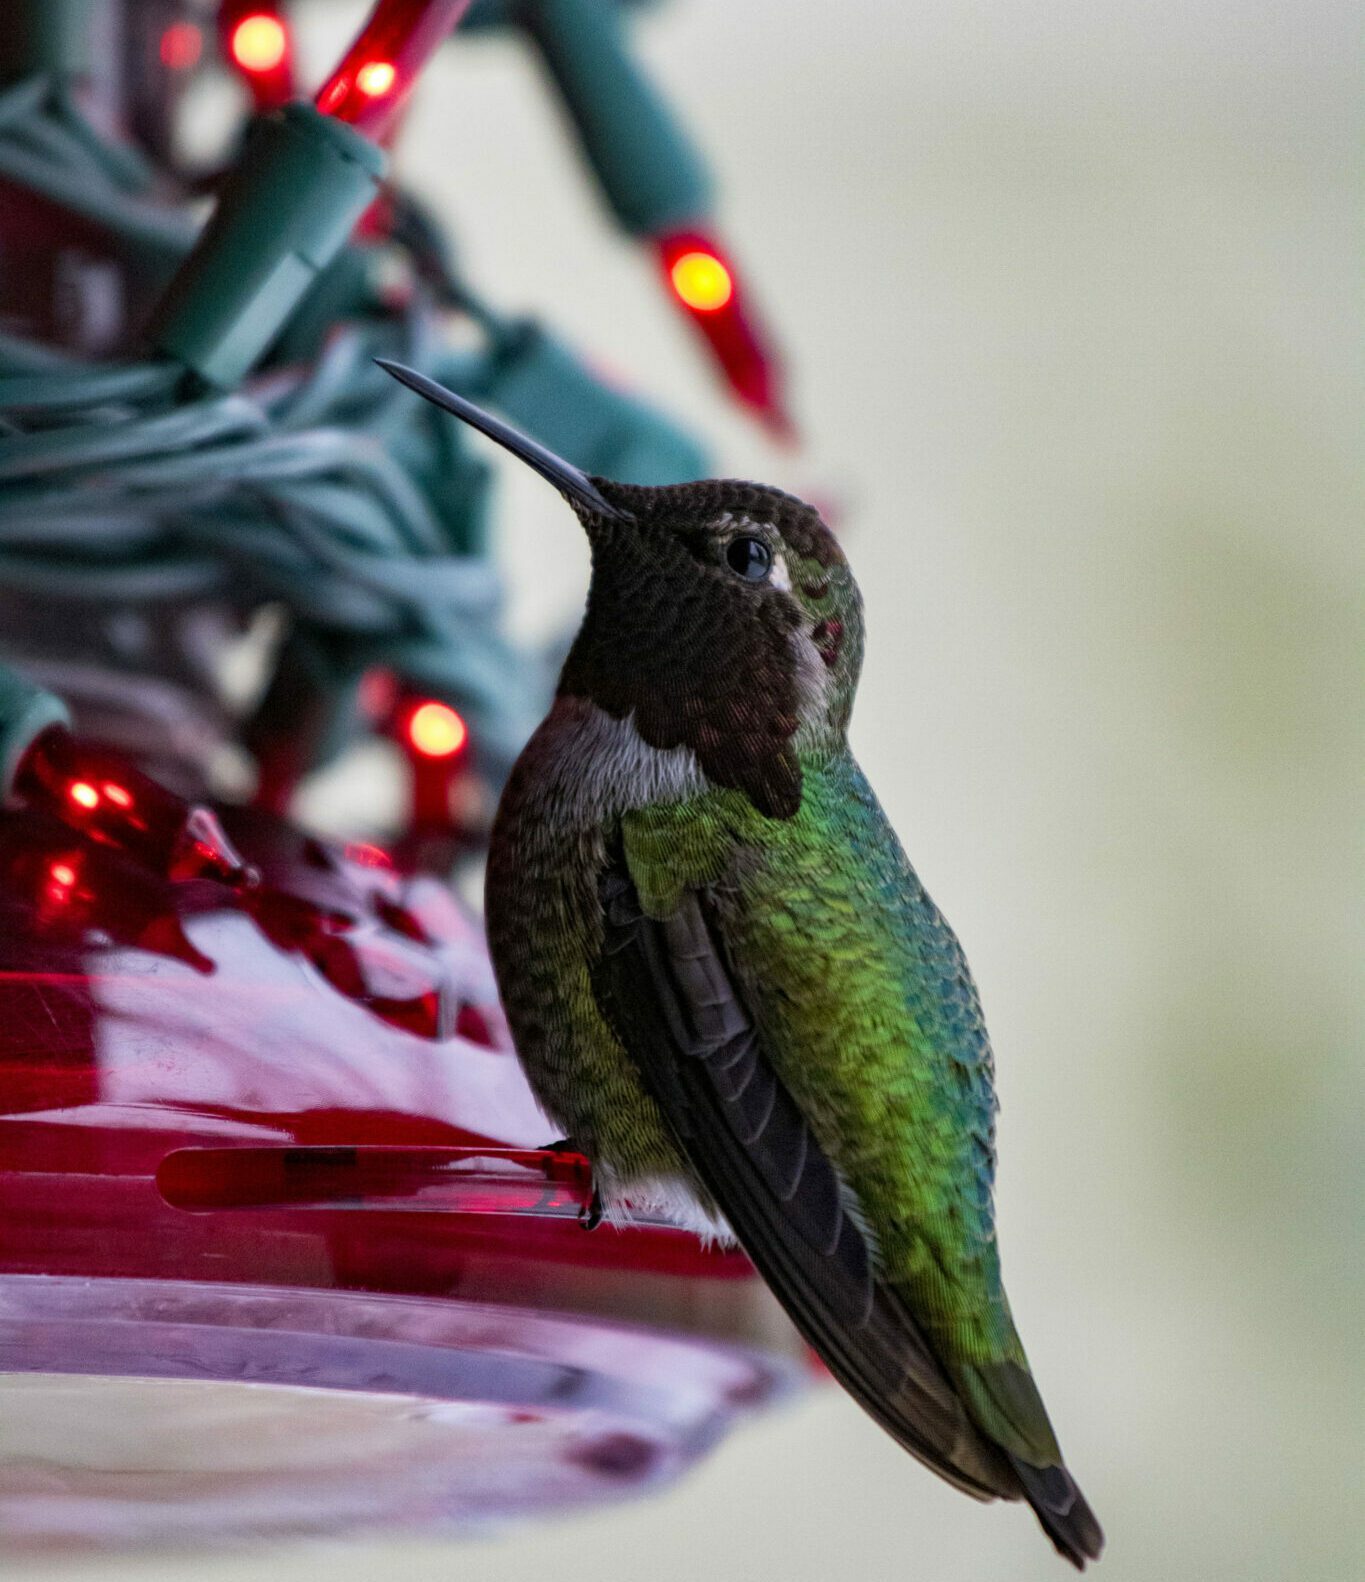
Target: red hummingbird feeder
point(282, 1250)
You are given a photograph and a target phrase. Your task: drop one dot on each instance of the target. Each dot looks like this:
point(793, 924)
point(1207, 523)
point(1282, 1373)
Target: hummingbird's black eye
point(749, 558)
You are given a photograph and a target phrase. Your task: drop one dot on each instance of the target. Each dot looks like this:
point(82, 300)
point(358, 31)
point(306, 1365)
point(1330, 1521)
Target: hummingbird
point(726, 983)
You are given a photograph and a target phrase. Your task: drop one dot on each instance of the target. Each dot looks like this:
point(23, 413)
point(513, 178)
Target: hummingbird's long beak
point(573, 484)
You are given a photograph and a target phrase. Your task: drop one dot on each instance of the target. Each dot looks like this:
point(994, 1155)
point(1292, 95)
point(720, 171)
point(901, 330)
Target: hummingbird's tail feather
point(1062, 1509)
point(1004, 1401)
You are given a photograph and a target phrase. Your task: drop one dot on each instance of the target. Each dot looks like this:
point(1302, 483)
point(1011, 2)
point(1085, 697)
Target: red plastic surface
point(295, 1103)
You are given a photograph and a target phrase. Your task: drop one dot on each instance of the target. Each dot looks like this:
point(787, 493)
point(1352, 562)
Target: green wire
point(264, 496)
point(48, 147)
point(93, 387)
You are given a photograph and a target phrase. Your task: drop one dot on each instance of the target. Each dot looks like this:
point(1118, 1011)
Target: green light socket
point(301, 184)
point(650, 173)
point(26, 711)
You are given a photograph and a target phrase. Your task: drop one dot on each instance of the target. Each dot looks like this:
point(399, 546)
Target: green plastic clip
point(300, 186)
point(650, 173)
point(26, 711)
point(546, 389)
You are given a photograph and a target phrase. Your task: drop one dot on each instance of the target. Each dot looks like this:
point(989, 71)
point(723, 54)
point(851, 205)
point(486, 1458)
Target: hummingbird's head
point(722, 617)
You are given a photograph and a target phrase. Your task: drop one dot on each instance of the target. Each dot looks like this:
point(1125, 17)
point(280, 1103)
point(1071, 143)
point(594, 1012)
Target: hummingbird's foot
point(592, 1215)
point(593, 1212)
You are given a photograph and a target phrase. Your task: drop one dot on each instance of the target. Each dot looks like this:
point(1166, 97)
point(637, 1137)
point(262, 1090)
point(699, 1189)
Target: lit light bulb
point(376, 77)
point(181, 46)
point(702, 281)
point(436, 731)
point(259, 42)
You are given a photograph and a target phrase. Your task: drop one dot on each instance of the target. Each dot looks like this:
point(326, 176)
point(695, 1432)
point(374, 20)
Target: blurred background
point(1069, 293)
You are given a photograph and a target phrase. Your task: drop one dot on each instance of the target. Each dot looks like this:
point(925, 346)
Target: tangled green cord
point(49, 147)
point(324, 491)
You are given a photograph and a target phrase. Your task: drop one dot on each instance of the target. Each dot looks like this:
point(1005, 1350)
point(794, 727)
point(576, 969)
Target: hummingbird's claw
point(592, 1214)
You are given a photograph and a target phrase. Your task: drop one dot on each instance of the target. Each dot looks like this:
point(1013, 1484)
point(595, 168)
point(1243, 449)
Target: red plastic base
point(274, 1198)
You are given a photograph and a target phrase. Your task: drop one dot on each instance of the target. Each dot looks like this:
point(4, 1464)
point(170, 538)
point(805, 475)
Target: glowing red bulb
point(702, 281)
point(366, 855)
point(436, 731)
point(259, 42)
point(376, 77)
point(181, 46)
point(119, 795)
point(83, 794)
point(61, 881)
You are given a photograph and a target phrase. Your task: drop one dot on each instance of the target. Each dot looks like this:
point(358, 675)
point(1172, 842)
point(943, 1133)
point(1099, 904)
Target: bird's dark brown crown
point(799, 524)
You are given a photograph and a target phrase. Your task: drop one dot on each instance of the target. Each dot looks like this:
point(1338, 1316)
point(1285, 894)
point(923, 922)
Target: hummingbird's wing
point(666, 990)
point(808, 1026)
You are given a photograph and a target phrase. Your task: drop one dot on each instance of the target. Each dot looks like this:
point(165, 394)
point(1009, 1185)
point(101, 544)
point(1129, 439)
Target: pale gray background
point(1069, 294)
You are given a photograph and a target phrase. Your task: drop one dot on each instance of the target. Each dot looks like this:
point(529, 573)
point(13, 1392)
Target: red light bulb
point(701, 281)
point(705, 284)
point(97, 792)
point(60, 876)
point(259, 42)
point(181, 46)
point(256, 39)
point(366, 855)
point(376, 77)
point(435, 730)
